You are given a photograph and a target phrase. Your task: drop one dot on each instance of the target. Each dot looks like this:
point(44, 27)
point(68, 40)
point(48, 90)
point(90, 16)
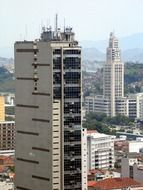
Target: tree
point(103, 124)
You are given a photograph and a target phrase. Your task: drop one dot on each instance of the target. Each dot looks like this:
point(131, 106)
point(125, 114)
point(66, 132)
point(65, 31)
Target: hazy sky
point(90, 19)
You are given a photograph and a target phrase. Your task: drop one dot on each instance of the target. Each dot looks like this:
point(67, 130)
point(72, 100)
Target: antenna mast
point(56, 24)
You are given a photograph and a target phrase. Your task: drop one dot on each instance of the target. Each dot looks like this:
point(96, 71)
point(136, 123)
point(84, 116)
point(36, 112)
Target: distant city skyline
point(91, 20)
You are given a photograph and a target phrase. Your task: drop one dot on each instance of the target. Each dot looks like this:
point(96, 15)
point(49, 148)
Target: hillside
point(4, 61)
point(133, 72)
point(92, 54)
point(93, 81)
point(6, 80)
point(131, 48)
point(129, 42)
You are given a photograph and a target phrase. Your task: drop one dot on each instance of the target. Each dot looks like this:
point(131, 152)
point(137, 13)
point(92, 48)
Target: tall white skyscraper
point(113, 82)
point(113, 101)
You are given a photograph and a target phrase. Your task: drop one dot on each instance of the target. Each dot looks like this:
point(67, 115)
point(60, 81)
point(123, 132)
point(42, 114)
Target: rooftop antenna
point(48, 23)
point(20, 37)
point(26, 33)
point(42, 25)
point(113, 31)
point(56, 24)
point(64, 24)
point(39, 31)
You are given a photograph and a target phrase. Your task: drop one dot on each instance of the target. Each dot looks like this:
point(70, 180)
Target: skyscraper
point(48, 112)
point(113, 81)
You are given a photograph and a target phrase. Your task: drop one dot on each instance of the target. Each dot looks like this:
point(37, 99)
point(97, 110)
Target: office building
point(113, 83)
point(113, 101)
point(97, 104)
point(135, 106)
point(100, 151)
point(113, 77)
point(101, 104)
point(130, 106)
point(48, 112)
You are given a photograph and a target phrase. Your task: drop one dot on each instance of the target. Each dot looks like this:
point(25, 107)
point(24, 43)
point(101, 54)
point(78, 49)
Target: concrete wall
point(135, 146)
point(138, 173)
point(33, 118)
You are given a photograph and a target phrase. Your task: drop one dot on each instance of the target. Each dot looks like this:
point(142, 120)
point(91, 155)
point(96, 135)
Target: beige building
point(98, 104)
point(113, 77)
point(48, 113)
point(112, 101)
point(2, 108)
point(131, 106)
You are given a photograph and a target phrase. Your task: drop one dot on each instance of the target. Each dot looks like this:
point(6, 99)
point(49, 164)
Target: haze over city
point(91, 20)
point(71, 95)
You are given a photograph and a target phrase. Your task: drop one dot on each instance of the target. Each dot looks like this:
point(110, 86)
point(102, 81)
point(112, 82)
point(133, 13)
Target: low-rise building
point(100, 150)
point(132, 167)
point(129, 136)
point(7, 135)
point(99, 174)
point(127, 165)
point(131, 106)
point(97, 104)
point(135, 146)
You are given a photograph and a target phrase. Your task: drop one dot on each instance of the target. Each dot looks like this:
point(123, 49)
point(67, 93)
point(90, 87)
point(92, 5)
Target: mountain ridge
point(131, 49)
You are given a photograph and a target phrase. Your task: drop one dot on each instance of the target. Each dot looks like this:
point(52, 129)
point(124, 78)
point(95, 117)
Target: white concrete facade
point(135, 146)
point(131, 106)
point(97, 104)
point(84, 159)
point(113, 74)
point(113, 82)
point(100, 151)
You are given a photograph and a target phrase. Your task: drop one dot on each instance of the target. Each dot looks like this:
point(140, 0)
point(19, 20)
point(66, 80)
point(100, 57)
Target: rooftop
point(95, 134)
point(91, 131)
point(115, 183)
point(97, 171)
point(91, 183)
